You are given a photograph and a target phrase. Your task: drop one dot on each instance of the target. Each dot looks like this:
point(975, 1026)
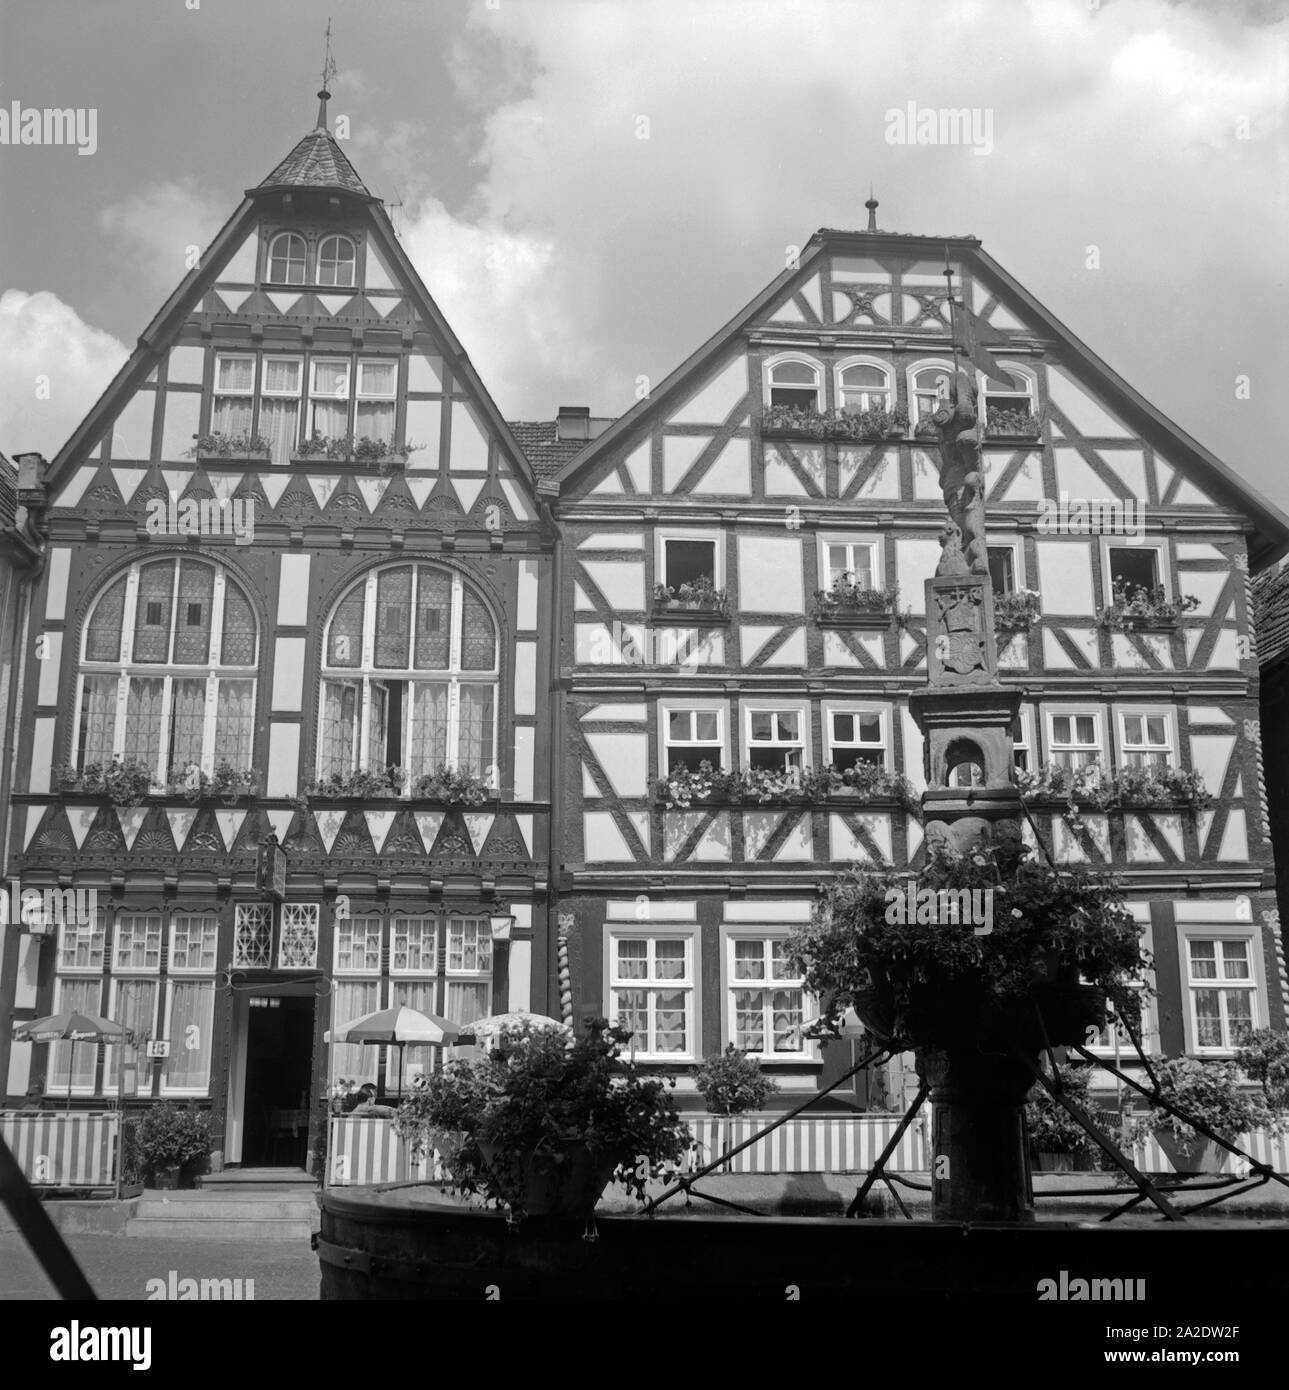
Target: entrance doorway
point(279, 1068)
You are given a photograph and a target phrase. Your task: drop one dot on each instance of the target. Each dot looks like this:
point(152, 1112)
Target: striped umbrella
point(73, 1027)
point(398, 1027)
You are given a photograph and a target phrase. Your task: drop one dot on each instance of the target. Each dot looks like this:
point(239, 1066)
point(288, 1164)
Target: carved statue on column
point(961, 480)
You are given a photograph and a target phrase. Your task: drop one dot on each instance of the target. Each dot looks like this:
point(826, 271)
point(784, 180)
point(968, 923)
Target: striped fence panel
point(74, 1149)
point(366, 1150)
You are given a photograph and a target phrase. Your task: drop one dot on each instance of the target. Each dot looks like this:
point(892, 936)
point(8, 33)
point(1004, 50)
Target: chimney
point(573, 422)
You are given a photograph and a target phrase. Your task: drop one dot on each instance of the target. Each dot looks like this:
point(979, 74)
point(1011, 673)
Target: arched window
point(928, 382)
point(863, 385)
point(409, 677)
point(167, 674)
point(287, 259)
point(794, 381)
point(1010, 406)
point(336, 261)
point(964, 764)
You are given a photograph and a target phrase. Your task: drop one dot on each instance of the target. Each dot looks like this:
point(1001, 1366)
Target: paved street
point(119, 1267)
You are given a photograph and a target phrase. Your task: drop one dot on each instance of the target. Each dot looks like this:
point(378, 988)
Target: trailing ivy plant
point(938, 981)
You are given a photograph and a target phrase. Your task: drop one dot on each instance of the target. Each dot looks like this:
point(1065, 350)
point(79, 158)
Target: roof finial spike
point(328, 72)
point(871, 205)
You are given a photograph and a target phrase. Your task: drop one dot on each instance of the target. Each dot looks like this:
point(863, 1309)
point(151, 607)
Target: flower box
point(1139, 609)
point(226, 447)
point(848, 604)
point(700, 602)
point(1017, 611)
point(1012, 424)
point(793, 422)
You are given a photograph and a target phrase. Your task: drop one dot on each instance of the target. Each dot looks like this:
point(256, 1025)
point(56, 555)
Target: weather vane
point(328, 62)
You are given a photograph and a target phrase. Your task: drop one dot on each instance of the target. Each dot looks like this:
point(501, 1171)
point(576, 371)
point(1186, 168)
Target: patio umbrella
point(516, 1024)
point(398, 1027)
point(71, 1026)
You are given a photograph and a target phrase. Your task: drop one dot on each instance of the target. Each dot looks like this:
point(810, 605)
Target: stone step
point(237, 1208)
point(220, 1228)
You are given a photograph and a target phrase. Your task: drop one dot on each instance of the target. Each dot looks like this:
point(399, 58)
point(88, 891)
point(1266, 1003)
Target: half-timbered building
point(742, 624)
point(296, 603)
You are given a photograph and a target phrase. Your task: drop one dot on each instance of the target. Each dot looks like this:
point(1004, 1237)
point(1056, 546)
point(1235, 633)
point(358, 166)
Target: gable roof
point(316, 162)
point(1271, 614)
point(546, 451)
point(170, 317)
point(1270, 540)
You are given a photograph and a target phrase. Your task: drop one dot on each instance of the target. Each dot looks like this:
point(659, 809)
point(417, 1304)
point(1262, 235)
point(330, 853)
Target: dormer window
point(287, 256)
point(863, 386)
point(336, 261)
point(795, 383)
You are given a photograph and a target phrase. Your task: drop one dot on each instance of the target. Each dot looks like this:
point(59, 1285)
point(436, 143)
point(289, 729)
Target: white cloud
point(163, 228)
point(53, 367)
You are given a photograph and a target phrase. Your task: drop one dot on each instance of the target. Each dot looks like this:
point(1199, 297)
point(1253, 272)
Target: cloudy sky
point(590, 188)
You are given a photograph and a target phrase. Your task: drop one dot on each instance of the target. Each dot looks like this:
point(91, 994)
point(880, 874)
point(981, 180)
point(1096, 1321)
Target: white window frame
point(208, 916)
point(421, 971)
point(176, 1044)
point(481, 974)
point(1123, 749)
point(367, 675)
point(805, 742)
point(926, 364)
point(97, 928)
point(304, 263)
point(883, 712)
point(661, 537)
point(1256, 984)
point(809, 1050)
point(317, 262)
point(853, 541)
point(53, 1088)
point(865, 360)
point(316, 909)
point(1018, 557)
point(364, 396)
point(1162, 567)
point(781, 359)
point(688, 984)
point(129, 915)
point(1098, 750)
point(143, 1065)
point(125, 669)
point(370, 921)
point(260, 911)
point(324, 359)
point(1026, 745)
point(986, 387)
point(677, 706)
point(219, 393)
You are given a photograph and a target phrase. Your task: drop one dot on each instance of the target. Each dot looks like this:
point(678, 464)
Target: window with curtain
point(410, 677)
point(469, 969)
point(864, 386)
point(134, 1005)
point(766, 998)
point(233, 397)
point(190, 1012)
point(280, 387)
point(194, 938)
point(651, 993)
point(329, 392)
point(351, 999)
point(377, 389)
point(76, 1063)
point(174, 685)
point(357, 948)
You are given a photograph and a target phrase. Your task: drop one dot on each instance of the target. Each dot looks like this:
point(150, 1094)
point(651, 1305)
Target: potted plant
point(1012, 424)
point(1134, 607)
point(1264, 1057)
point(1056, 1141)
point(124, 781)
point(1016, 611)
point(542, 1125)
point(795, 421)
point(171, 1137)
point(360, 784)
point(217, 445)
point(1213, 1094)
point(699, 595)
point(846, 597)
point(453, 787)
point(732, 1083)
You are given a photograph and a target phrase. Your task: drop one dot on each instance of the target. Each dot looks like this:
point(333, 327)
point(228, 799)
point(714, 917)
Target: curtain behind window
point(192, 1008)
